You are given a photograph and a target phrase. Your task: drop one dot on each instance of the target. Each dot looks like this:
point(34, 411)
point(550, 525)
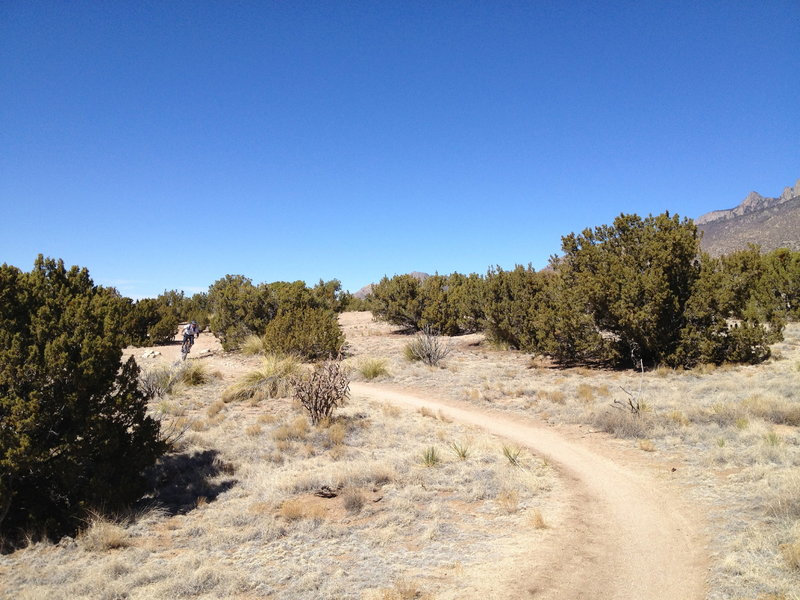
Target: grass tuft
point(272, 380)
point(252, 345)
point(508, 500)
point(537, 520)
point(460, 450)
point(194, 373)
point(430, 457)
point(512, 454)
point(103, 534)
point(372, 368)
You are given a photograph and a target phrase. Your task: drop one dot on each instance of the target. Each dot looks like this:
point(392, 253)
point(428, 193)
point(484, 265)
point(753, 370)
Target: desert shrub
point(159, 381)
point(353, 500)
point(777, 290)
point(465, 293)
point(150, 321)
point(312, 333)
point(273, 380)
point(322, 390)
point(624, 423)
point(439, 312)
point(74, 429)
point(427, 347)
point(197, 309)
point(635, 277)
point(451, 304)
point(329, 294)
point(511, 300)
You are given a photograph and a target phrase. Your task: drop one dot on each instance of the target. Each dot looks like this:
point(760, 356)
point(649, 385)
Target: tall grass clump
point(193, 374)
point(273, 380)
point(252, 345)
point(372, 368)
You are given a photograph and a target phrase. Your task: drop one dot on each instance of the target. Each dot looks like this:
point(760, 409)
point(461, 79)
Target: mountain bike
point(186, 346)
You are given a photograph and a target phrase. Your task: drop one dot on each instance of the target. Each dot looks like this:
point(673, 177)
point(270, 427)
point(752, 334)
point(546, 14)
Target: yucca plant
point(460, 450)
point(430, 457)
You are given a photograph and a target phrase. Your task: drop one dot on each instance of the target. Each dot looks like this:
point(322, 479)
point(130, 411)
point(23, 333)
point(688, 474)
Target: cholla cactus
point(325, 388)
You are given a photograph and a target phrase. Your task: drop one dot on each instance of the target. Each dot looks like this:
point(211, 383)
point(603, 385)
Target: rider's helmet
point(194, 322)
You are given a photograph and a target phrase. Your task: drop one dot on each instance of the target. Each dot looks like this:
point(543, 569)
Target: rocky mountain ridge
point(768, 222)
point(753, 202)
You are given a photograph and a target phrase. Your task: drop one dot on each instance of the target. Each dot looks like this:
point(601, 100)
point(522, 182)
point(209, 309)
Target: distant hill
point(769, 222)
point(367, 289)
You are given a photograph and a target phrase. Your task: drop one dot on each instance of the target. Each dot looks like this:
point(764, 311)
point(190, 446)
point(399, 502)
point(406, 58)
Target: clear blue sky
point(165, 144)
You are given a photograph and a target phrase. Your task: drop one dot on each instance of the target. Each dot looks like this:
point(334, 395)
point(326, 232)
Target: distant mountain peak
point(753, 202)
point(769, 222)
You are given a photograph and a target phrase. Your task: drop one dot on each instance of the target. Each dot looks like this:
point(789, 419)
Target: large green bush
point(312, 333)
point(238, 309)
point(447, 304)
point(398, 301)
point(74, 432)
point(512, 300)
point(652, 298)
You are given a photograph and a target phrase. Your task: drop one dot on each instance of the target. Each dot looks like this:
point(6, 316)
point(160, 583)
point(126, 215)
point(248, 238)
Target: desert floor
point(493, 475)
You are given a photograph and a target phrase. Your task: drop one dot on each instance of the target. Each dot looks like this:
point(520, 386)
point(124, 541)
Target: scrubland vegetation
point(247, 473)
point(256, 501)
point(638, 290)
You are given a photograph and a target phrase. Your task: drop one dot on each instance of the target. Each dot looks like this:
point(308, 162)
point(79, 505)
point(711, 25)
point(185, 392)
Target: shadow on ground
point(179, 482)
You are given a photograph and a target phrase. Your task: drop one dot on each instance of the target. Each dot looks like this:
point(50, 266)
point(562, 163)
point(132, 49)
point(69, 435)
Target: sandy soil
point(628, 536)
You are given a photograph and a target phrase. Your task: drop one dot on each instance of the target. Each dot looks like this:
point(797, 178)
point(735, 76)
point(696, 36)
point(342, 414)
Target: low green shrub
point(313, 333)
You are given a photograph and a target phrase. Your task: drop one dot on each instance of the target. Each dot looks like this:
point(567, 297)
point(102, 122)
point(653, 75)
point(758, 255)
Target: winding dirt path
point(628, 535)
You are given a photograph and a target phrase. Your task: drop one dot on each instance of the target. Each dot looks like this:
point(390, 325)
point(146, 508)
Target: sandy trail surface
point(628, 534)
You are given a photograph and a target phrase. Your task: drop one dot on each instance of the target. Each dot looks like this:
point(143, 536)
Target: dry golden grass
point(508, 500)
point(215, 408)
point(272, 380)
point(585, 393)
point(791, 553)
point(102, 535)
point(301, 508)
point(336, 434)
point(647, 445)
point(537, 520)
point(372, 368)
point(194, 373)
point(252, 345)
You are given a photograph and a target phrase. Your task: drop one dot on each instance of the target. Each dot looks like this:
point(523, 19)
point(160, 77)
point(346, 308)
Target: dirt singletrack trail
point(627, 534)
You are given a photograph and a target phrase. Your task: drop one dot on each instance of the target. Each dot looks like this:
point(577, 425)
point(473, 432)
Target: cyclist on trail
point(189, 333)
